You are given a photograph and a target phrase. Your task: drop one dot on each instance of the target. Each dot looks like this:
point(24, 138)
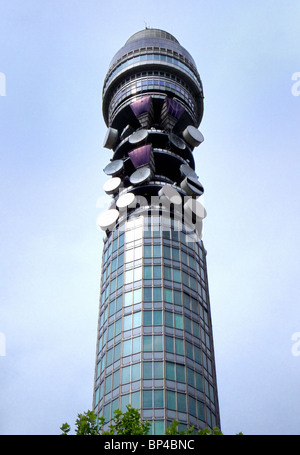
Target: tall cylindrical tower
point(155, 344)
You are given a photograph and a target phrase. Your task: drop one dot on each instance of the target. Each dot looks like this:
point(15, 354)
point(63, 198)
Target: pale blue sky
point(55, 55)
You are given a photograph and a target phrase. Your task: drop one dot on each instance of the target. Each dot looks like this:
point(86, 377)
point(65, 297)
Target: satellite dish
point(111, 137)
point(141, 175)
point(107, 220)
point(193, 136)
point(169, 195)
point(192, 186)
point(113, 168)
point(138, 136)
point(177, 141)
point(125, 201)
point(186, 170)
point(112, 185)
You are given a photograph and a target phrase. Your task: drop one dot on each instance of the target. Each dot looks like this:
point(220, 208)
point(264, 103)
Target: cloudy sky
point(54, 55)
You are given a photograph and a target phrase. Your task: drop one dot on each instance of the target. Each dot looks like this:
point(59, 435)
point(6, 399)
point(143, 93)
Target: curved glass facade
point(155, 348)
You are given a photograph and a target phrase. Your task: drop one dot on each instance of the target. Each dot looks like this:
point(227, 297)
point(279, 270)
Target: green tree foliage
point(127, 423)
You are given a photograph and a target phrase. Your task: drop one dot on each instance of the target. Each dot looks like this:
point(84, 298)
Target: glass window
point(178, 321)
point(169, 319)
point(157, 294)
point(181, 402)
point(158, 398)
point(136, 400)
point(116, 379)
point(167, 273)
point(128, 298)
point(156, 271)
point(159, 427)
point(124, 402)
point(147, 342)
point(125, 375)
point(118, 327)
point(136, 372)
point(148, 294)
point(169, 344)
point(147, 318)
point(190, 377)
point(127, 324)
point(168, 295)
point(138, 274)
point(136, 319)
point(200, 409)
point(137, 296)
point(171, 402)
point(170, 371)
point(129, 276)
point(126, 348)
point(147, 370)
point(147, 272)
point(179, 348)
point(177, 275)
point(180, 373)
point(158, 370)
point(157, 345)
point(108, 384)
point(136, 345)
point(117, 351)
point(157, 317)
point(192, 406)
point(147, 399)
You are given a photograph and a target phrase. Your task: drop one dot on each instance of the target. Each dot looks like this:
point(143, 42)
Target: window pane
point(179, 346)
point(136, 372)
point(170, 371)
point(125, 375)
point(138, 274)
point(157, 294)
point(147, 399)
point(200, 409)
point(147, 317)
point(181, 401)
point(178, 321)
point(158, 370)
point(176, 275)
point(147, 343)
point(156, 271)
point(136, 345)
point(147, 272)
point(136, 400)
point(180, 373)
point(116, 378)
point(157, 316)
point(169, 319)
point(156, 251)
point(127, 322)
point(136, 319)
point(167, 273)
point(157, 343)
point(126, 347)
point(169, 344)
point(128, 276)
point(171, 404)
point(147, 370)
point(148, 294)
point(128, 298)
point(137, 295)
point(158, 398)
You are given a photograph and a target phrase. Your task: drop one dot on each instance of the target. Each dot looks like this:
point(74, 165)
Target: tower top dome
point(152, 33)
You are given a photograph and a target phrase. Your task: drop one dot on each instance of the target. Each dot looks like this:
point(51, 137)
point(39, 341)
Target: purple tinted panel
point(175, 109)
point(141, 155)
point(141, 106)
